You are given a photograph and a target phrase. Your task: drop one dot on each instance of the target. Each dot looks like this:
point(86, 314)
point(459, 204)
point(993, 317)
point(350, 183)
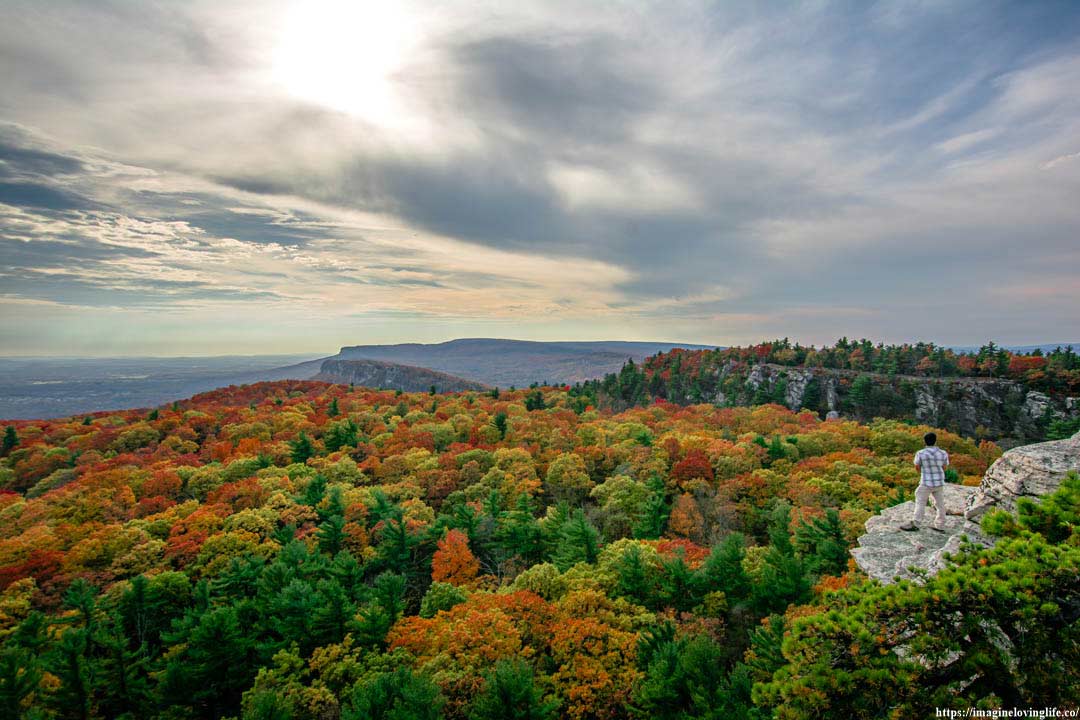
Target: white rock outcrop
point(1025, 471)
point(887, 553)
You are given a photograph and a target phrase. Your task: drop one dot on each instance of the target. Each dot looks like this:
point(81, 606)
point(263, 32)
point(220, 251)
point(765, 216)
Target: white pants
point(922, 493)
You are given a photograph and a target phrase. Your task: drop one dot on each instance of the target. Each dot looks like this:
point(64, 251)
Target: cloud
point(696, 168)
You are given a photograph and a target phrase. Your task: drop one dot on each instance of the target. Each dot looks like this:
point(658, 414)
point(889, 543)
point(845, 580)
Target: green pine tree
point(654, 514)
point(11, 440)
point(510, 694)
point(399, 695)
point(579, 541)
point(301, 449)
point(822, 544)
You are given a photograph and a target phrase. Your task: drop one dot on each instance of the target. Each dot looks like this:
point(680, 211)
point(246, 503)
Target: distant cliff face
point(975, 407)
point(377, 374)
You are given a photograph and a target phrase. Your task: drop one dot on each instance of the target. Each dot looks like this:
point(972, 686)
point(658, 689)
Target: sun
point(344, 55)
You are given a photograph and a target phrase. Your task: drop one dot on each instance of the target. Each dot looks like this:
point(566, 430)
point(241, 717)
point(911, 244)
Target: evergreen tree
point(20, 675)
point(122, 680)
point(775, 449)
point(633, 576)
point(333, 614)
point(519, 532)
point(500, 424)
point(315, 491)
point(333, 410)
point(331, 535)
point(396, 544)
point(301, 449)
point(216, 665)
point(579, 541)
point(386, 604)
point(784, 578)
point(778, 394)
point(340, 435)
point(684, 679)
point(723, 570)
point(400, 695)
point(510, 694)
point(82, 596)
point(860, 394)
point(811, 399)
point(11, 440)
point(71, 667)
point(655, 513)
point(822, 544)
point(1000, 623)
point(677, 587)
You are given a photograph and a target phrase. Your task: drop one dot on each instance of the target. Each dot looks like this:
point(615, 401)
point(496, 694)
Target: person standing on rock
point(931, 461)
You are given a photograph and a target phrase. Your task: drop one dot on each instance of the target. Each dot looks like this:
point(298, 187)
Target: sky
point(201, 178)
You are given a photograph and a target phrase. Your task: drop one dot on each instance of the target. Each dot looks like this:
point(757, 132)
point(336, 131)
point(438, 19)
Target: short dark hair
point(930, 438)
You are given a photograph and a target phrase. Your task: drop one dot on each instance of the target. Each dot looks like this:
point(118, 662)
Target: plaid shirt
point(932, 460)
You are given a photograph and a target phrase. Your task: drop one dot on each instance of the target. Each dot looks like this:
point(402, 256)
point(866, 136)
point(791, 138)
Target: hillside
point(991, 394)
point(313, 549)
point(519, 363)
point(392, 376)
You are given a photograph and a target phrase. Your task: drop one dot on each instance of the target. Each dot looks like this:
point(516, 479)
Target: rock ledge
point(888, 554)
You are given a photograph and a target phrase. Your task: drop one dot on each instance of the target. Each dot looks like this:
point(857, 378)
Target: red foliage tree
point(453, 561)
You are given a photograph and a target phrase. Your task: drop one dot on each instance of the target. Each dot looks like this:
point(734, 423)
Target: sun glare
point(344, 55)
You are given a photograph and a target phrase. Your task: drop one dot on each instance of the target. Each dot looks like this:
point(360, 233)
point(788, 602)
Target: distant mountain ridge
point(395, 376)
point(520, 363)
point(58, 387)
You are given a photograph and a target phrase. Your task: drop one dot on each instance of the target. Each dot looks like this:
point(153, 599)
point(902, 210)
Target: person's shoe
point(937, 529)
point(909, 527)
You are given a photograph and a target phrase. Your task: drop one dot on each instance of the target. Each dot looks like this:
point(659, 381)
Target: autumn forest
point(305, 550)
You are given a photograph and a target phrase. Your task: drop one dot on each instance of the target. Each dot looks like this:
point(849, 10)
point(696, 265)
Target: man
point(931, 461)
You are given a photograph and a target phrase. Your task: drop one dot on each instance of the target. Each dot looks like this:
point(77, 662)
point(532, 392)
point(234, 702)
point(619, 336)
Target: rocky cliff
point(887, 553)
point(975, 407)
point(377, 374)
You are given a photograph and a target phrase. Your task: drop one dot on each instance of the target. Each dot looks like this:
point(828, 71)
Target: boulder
point(1025, 471)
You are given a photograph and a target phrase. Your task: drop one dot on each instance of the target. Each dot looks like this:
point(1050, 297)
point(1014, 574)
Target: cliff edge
point(887, 553)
